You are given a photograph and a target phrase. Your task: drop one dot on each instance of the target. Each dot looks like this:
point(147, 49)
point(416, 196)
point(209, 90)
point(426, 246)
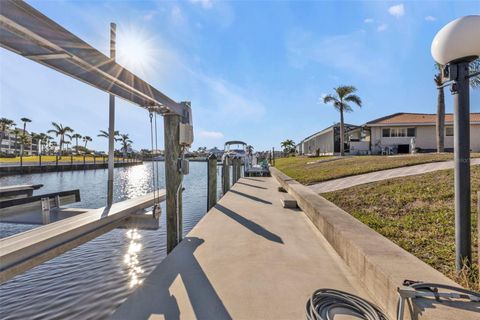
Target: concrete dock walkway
point(248, 258)
point(347, 182)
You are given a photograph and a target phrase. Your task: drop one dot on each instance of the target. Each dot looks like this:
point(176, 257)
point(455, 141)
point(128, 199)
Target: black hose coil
point(323, 301)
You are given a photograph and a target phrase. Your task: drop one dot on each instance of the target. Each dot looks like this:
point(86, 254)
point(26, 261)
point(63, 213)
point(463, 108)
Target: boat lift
point(29, 33)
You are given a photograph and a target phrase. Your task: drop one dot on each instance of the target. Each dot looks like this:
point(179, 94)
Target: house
point(396, 133)
point(324, 142)
point(217, 152)
point(405, 132)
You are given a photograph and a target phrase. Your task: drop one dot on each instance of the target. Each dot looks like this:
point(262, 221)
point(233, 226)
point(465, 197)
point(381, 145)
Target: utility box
point(186, 134)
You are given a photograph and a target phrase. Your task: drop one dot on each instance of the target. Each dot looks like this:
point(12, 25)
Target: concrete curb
point(381, 265)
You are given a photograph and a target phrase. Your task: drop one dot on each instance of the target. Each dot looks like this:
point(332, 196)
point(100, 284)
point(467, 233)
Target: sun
point(136, 50)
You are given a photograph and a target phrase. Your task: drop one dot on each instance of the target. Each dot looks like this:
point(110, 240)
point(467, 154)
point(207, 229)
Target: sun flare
point(136, 50)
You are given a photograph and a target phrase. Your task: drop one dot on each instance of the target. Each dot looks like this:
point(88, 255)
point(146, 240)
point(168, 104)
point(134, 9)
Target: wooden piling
point(212, 181)
point(172, 180)
point(225, 175)
point(239, 169)
point(234, 170)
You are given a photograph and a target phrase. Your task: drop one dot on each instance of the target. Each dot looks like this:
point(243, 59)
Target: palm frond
point(354, 98)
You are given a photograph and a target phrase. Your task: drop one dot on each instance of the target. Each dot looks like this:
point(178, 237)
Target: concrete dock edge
point(381, 265)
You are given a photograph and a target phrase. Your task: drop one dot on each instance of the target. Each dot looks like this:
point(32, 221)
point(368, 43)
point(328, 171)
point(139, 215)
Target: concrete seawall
point(380, 264)
point(27, 169)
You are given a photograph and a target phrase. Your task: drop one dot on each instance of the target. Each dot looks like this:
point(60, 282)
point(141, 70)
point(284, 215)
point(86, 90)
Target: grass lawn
point(299, 168)
point(45, 159)
point(417, 213)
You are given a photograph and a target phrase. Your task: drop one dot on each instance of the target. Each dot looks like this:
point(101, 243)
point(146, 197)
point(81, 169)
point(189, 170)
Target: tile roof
point(420, 118)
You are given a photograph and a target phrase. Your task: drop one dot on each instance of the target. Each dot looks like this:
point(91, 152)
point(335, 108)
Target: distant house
point(398, 133)
point(217, 152)
point(324, 142)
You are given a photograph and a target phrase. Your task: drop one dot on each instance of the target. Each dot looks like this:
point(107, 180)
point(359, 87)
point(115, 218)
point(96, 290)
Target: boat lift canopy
point(26, 31)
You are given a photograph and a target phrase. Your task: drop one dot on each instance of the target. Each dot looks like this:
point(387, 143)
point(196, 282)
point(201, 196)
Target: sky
point(253, 71)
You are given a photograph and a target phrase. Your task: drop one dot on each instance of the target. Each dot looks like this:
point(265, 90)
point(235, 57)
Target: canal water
point(92, 280)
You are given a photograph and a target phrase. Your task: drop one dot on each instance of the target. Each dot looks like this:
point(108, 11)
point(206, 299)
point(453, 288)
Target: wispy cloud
point(397, 10)
point(430, 18)
point(348, 52)
point(206, 4)
point(382, 27)
point(368, 20)
point(176, 16)
point(211, 134)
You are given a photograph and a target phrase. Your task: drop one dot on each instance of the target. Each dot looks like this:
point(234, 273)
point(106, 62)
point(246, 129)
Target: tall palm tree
point(16, 132)
point(60, 131)
point(25, 121)
point(340, 100)
point(126, 142)
point(42, 140)
point(24, 141)
point(86, 139)
point(440, 123)
point(5, 124)
point(76, 136)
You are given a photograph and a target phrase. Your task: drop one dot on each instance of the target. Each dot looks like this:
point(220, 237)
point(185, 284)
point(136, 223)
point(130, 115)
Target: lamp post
point(454, 47)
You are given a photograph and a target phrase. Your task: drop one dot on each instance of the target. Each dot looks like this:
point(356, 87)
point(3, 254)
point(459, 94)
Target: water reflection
point(135, 271)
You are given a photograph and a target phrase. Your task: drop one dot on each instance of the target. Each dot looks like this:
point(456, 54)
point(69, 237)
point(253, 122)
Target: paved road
point(248, 258)
point(347, 182)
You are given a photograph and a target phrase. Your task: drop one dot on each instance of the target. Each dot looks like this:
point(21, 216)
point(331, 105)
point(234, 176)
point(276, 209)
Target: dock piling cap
point(458, 40)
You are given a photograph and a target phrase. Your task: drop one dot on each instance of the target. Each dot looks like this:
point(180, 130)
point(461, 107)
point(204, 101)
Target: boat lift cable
point(156, 209)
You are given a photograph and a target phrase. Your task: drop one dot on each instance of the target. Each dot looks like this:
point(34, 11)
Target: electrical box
point(183, 166)
point(186, 134)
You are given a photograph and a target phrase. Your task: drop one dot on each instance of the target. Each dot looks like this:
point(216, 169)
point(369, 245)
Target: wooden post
point(172, 180)
point(212, 181)
point(226, 175)
point(234, 170)
point(239, 169)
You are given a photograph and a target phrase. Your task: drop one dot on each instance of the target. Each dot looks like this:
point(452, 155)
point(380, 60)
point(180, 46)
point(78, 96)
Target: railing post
point(172, 180)
point(225, 175)
point(212, 181)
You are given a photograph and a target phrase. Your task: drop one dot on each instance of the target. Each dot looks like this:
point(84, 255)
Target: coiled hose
point(323, 301)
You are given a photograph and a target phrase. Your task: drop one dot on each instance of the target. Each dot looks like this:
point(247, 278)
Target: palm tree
point(24, 140)
point(76, 136)
point(288, 146)
point(42, 140)
point(126, 142)
point(440, 125)
point(16, 132)
point(5, 124)
point(105, 134)
point(340, 99)
point(25, 120)
point(86, 139)
point(61, 131)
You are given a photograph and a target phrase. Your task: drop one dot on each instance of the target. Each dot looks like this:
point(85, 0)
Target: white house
point(404, 131)
point(324, 142)
point(398, 132)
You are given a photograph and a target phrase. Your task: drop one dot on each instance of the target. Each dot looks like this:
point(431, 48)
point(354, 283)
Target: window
point(449, 131)
point(398, 132)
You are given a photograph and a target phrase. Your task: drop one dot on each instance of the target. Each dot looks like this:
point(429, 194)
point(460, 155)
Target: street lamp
point(454, 47)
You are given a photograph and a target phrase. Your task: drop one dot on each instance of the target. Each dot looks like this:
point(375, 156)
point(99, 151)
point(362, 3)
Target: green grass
point(417, 213)
point(299, 168)
point(46, 159)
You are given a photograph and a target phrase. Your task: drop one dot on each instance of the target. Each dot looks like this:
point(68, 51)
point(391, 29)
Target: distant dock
point(13, 169)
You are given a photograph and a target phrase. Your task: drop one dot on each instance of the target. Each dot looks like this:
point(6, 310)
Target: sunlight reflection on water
point(90, 281)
